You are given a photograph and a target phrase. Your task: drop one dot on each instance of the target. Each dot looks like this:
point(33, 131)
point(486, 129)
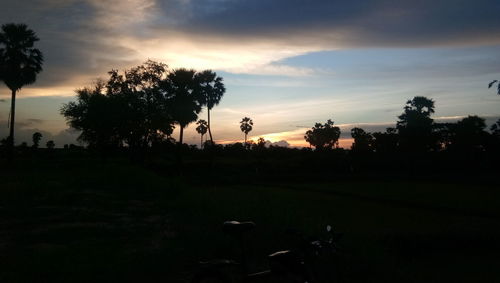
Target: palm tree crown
point(201, 129)
point(246, 125)
point(20, 62)
point(498, 85)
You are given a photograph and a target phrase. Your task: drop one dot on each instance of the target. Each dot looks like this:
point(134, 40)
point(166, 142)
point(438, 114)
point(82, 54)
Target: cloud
point(84, 39)
point(24, 123)
point(282, 143)
point(353, 23)
point(25, 129)
point(33, 121)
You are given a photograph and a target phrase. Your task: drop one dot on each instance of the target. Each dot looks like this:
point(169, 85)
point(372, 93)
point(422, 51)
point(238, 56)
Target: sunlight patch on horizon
point(295, 138)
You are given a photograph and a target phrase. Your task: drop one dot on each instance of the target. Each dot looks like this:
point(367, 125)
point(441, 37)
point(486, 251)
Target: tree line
point(141, 106)
point(415, 132)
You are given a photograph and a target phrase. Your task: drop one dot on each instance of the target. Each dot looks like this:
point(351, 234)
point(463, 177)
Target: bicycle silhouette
point(312, 260)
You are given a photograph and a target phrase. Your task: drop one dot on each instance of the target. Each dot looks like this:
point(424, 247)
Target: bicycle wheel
point(210, 277)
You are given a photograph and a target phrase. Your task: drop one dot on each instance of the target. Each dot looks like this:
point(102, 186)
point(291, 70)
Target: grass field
point(92, 220)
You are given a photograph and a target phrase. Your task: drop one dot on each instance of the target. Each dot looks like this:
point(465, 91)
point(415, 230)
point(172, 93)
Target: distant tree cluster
point(323, 136)
point(415, 133)
point(140, 107)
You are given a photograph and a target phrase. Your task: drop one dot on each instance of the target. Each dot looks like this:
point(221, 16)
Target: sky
point(287, 64)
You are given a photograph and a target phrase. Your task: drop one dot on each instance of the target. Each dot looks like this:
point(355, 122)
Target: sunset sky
point(286, 63)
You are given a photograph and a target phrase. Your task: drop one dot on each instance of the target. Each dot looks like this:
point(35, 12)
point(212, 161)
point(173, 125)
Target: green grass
point(89, 220)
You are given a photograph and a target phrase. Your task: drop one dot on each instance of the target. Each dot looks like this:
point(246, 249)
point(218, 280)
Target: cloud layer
point(83, 39)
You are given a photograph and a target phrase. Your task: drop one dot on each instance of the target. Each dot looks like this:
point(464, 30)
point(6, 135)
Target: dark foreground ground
point(95, 220)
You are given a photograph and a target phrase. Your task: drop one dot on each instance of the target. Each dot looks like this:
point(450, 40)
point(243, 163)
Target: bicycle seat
point(235, 227)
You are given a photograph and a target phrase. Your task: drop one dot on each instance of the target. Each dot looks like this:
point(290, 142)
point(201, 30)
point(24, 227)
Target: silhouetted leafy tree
point(237, 148)
point(23, 145)
point(138, 92)
point(362, 140)
point(50, 144)
point(415, 127)
point(130, 108)
point(36, 139)
point(493, 83)
point(97, 116)
point(246, 126)
point(185, 98)
point(20, 62)
point(201, 129)
point(468, 134)
point(260, 144)
point(444, 133)
point(323, 136)
point(386, 142)
point(212, 90)
point(495, 128)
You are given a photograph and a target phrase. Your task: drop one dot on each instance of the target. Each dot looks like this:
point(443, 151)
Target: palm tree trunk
point(12, 119)
point(201, 142)
point(245, 139)
point(209, 131)
point(181, 135)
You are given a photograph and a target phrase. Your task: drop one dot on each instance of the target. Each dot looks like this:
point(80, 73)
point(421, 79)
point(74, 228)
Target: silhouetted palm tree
point(212, 90)
point(493, 83)
point(246, 126)
point(201, 129)
point(20, 62)
point(185, 98)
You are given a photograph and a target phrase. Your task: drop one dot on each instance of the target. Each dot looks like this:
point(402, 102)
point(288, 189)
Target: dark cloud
point(83, 39)
point(25, 123)
point(282, 143)
point(354, 23)
point(74, 48)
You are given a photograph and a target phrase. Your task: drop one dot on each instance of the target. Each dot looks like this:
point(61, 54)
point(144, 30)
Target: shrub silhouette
point(50, 144)
point(36, 139)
